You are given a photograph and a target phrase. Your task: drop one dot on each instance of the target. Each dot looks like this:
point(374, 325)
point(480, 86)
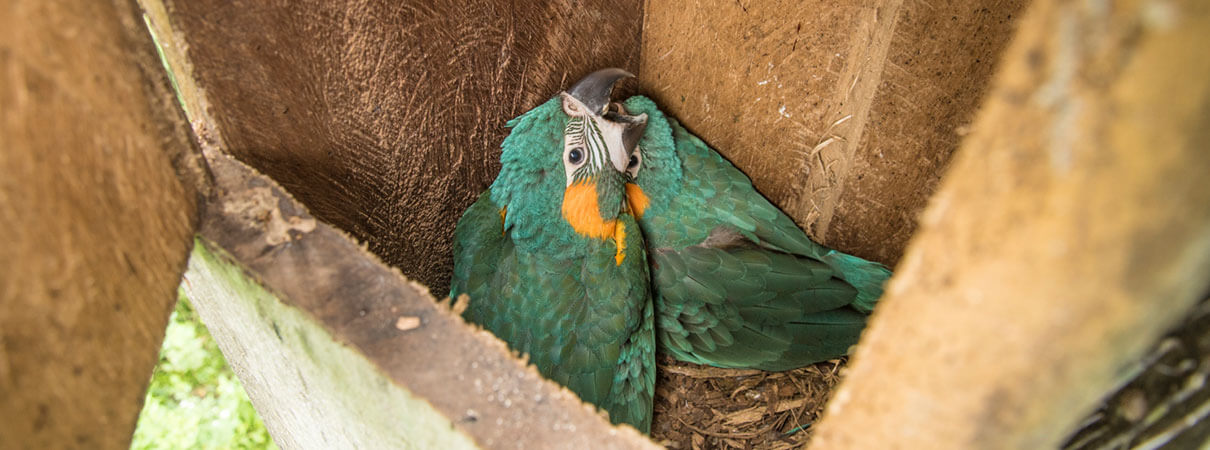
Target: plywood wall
point(845, 114)
point(385, 118)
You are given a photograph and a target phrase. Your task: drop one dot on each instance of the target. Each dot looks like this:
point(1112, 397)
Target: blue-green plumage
point(555, 266)
point(736, 282)
point(555, 256)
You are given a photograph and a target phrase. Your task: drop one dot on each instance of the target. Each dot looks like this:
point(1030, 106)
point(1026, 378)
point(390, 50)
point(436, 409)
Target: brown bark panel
point(1072, 229)
point(96, 224)
point(842, 113)
point(386, 118)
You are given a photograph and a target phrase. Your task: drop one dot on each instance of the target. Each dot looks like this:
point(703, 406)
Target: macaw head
point(563, 166)
point(653, 169)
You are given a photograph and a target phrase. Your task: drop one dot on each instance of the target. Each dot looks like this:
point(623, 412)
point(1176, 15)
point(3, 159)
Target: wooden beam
point(1070, 232)
point(335, 349)
point(96, 221)
point(311, 390)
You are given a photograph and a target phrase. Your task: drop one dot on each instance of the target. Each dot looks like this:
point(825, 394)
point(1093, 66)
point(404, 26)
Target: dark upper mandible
point(593, 91)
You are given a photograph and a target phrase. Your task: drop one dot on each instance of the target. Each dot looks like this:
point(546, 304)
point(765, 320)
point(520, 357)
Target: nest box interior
point(386, 119)
point(335, 145)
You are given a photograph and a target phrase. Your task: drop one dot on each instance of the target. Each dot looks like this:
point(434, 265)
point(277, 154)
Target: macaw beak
point(593, 91)
point(635, 125)
point(592, 94)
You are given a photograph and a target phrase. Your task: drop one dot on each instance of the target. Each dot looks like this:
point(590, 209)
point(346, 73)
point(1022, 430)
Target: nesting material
point(699, 407)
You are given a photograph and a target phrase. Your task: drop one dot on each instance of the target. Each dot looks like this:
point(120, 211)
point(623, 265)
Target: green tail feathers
point(867, 276)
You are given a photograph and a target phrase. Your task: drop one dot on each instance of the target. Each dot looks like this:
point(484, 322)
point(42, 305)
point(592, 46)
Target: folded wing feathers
point(748, 306)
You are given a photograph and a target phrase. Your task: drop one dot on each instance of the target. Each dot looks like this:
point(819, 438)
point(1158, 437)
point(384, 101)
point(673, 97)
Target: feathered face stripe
point(584, 133)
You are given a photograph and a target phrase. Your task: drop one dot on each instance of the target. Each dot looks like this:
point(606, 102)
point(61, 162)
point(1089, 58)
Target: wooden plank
point(97, 226)
point(311, 390)
point(386, 117)
point(338, 350)
point(1071, 231)
point(843, 113)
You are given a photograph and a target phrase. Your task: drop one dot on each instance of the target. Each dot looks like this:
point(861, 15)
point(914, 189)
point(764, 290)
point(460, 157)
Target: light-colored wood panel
point(1072, 230)
point(97, 225)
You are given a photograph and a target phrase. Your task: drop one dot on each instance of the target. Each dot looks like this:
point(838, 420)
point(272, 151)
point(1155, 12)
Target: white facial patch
point(590, 142)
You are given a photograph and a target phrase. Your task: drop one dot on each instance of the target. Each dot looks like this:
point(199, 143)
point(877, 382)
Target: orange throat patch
point(637, 199)
point(582, 212)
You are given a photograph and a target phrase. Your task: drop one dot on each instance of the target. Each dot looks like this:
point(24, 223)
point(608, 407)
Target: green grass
point(195, 401)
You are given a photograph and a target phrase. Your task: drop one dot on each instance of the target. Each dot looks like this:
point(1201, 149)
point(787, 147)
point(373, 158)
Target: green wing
point(479, 246)
point(734, 204)
point(737, 283)
point(748, 307)
point(742, 286)
point(585, 322)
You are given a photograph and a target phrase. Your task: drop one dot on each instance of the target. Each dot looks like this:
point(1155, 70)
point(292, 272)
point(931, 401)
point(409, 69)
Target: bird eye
point(575, 156)
point(632, 165)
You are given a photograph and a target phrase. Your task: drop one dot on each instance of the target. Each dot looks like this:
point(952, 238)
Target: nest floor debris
point(701, 407)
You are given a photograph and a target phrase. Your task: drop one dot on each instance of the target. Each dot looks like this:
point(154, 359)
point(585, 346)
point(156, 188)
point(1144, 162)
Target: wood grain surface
point(385, 118)
point(844, 114)
point(1072, 230)
point(97, 224)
